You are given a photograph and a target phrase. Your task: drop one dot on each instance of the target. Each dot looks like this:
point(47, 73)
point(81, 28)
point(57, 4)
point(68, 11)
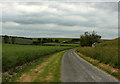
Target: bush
point(88, 39)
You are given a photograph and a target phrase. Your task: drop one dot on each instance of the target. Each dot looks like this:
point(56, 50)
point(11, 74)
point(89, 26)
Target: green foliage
point(15, 55)
point(13, 40)
point(60, 39)
point(88, 39)
point(106, 52)
point(44, 40)
point(6, 39)
point(35, 41)
point(56, 41)
point(39, 40)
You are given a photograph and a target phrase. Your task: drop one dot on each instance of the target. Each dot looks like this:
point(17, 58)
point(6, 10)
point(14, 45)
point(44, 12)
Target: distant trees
point(74, 40)
point(25, 40)
point(88, 39)
point(6, 39)
point(39, 40)
point(49, 40)
point(56, 41)
point(45, 40)
point(13, 40)
point(35, 43)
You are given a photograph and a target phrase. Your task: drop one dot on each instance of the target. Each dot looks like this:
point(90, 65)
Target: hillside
point(103, 56)
point(106, 52)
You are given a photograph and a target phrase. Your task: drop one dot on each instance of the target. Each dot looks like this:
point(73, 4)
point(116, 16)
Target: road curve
point(76, 69)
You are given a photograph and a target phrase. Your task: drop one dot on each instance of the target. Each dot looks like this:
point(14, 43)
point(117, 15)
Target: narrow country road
point(75, 69)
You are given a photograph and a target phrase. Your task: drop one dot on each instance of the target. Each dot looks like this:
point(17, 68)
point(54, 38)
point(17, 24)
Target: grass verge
point(47, 69)
point(106, 67)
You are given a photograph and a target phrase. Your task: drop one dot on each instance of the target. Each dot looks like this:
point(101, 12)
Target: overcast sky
point(59, 19)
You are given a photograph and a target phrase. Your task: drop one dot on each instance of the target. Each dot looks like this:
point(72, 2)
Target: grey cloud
point(47, 17)
point(102, 16)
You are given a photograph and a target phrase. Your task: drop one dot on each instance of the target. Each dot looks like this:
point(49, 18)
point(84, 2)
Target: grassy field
point(19, 40)
point(104, 55)
point(46, 70)
point(106, 52)
point(62, 44)
point(16, 55)
point(29, 41)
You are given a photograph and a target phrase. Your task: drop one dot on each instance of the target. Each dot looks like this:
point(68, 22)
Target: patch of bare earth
point(33, 73)
point(25, 78)
point(49, 78)
point(108, 67)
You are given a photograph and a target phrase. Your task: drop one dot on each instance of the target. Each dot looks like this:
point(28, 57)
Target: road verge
point(105, 67)
point(47, 69)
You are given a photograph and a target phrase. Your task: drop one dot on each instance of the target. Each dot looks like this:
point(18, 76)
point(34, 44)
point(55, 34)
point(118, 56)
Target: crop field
point(106, 52)
point(15, 55)
point(62, 44)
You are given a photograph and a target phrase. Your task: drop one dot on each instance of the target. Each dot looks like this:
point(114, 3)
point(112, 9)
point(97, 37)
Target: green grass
point(47, 69)
point(15, 55)
point(106, 52)
point(64, 44)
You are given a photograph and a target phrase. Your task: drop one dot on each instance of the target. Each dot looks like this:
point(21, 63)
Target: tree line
point(12, 40)
point(45, 40)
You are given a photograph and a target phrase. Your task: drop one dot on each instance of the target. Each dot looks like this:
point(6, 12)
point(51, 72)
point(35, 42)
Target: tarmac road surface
point(76, 69)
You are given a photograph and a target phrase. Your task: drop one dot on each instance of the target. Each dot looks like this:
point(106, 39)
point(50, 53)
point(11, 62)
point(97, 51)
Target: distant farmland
point(30, 41)
point(20, 54)
point(60, 39)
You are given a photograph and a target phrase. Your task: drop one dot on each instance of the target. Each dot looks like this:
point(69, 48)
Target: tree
point(13, 40)
point(51, 40)
point(56, 41)
point(44, 40)
point(88, 39)
point(35, 43)
point(48, 40)
point(39, 40)
point(6, 39)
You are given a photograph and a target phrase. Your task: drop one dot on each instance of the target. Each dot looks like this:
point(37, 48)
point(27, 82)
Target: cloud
point(69, 17)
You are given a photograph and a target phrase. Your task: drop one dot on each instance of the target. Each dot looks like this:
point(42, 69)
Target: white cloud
point(11, 24)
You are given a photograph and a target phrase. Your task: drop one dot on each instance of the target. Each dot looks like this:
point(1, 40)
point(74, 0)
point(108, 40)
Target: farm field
point(16, 55)
point(105, 53)
point(61, 44)
point(19, 40)
point(37, 41)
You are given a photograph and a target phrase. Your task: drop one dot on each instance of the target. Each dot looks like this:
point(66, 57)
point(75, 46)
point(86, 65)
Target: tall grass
point(15, 55)
point(106, 52)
